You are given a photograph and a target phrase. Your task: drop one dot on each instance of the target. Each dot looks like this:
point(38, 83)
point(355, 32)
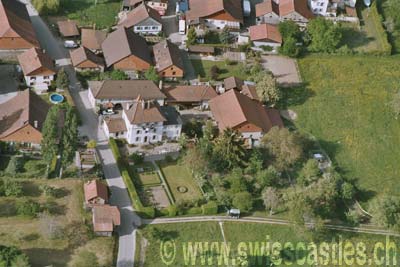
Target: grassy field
point(177, 175)
point(247, 235)
point(103, 15)
point(345, 106)
point(203, 67)
point(27, 234)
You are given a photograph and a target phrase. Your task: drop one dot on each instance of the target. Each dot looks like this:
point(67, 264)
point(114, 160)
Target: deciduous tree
point(267, 89)
point(191, 37)
point(229, 149)
point(325, 35)
point(271, 198)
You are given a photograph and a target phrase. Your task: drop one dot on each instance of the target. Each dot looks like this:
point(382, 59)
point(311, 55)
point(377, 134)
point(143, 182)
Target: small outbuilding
point(68, 28)
point(96, 193)
point(105, 219)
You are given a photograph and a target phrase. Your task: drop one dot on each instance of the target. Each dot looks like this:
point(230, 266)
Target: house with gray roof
point(142, 20)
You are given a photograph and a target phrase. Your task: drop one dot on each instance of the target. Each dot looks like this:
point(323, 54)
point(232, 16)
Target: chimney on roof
point(160, 85)
point(36, 124)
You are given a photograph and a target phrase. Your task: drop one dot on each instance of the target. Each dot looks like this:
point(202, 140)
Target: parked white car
point(70, 44)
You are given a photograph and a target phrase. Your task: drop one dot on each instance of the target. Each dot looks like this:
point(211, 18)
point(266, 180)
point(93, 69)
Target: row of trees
point(60, 139)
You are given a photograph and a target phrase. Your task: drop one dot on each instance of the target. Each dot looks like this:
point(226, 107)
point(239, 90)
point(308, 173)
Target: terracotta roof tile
point(233, 83)
point(190, 93)
point(105, 217)
point(138, 15)
point(128, 90)
point(35, 62)
point(94, 189)
point(68, 28)
point(142, 111)
point(232, 109)
point(207, 8)
point(82, 54)
point(167, 54)
point(115, 125)
point(267, 32)
point(287, 7)
point(23, 109)
point(15, 21)
point(266, 7)
point(93, 39)
point(123, 43)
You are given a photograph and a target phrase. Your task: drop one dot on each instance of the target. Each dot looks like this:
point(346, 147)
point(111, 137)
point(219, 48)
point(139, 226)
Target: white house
point(38, 69)
point(143, 20)
point(144, 122)
point(115, 94)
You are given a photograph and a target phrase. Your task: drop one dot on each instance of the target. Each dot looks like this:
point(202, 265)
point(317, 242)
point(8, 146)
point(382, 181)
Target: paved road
point(119, 194)
point(362, 229)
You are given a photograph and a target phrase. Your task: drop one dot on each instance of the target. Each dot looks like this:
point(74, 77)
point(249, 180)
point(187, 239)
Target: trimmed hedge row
point(378, 19)
point(146, 212)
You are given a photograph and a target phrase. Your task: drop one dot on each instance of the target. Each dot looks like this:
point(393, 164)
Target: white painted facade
point(215, 24)
point(270, 18)
point(319, 7)
point(148, 29)
point(39, 83)
point(255, 138)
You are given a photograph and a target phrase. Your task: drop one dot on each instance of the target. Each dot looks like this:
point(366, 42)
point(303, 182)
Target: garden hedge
point(146, 212)
point(378, 19)
point(210, 208)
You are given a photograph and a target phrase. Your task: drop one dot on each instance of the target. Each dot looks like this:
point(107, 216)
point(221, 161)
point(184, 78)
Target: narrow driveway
point(90, 127)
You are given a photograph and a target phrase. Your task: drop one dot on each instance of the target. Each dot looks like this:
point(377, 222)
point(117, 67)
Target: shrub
point(15, 165)
point(46, 7)
point(11, 256)
point(214, 72)
point(48, 191)
point(210, 208)
point(172, 211)
point(91, 144)
point(243, 201)
point(194, 211)
point(147, 212)
point(12, 188)
point(137, 158)
point(28, 208)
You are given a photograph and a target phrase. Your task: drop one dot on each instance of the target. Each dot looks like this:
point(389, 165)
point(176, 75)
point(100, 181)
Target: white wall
point(318, 7)
point(40, 83)
point(214, 24)
point(155, 29)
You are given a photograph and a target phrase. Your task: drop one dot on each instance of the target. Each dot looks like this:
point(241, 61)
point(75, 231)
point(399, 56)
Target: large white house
point(38, 69)
point(144, 122)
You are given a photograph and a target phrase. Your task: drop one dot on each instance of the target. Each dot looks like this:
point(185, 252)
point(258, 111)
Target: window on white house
point(154, 137)
point(138, 132)
point(137, 139)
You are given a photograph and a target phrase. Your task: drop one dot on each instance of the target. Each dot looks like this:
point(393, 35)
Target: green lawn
point(103, 15)
point(345, 105)
point(395, 34)
point(33, 168)
point(247, 235)
point(178, 175)
point(202, 68)
point(148, 176)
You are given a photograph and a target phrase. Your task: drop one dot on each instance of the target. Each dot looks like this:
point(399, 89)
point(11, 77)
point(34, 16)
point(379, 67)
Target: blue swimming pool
point(56, 98)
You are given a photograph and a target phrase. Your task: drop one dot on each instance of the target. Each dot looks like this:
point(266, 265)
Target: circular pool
point(56, 98)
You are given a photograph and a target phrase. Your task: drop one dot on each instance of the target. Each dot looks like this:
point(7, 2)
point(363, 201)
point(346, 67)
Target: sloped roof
point(265, 32)
point(287, 7)
point(205, 8)
point(233, 82)
point(167, 54)
point(82, 54)
point(68, 28)
point(34, 60)
point(201, 49)
point(190, 93)
point(123, 43)
point(15, 21)
point(115, 125)
point(250, 91)
point(266, 7)
point(128, 90)
point(132, 2)
point(94, 189)
point(93, 39)
point(105, 217)
point(142, 111)
point(138, 15)
point(23, 109)
point(232, 109)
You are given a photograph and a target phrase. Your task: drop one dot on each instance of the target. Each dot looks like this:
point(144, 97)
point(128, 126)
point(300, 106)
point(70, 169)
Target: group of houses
point(104, 216)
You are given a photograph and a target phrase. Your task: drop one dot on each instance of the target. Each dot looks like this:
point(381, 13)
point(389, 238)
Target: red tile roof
point(82, 54)
point(167, 54)
point(138, 15)
point(144, 112)
point(266, 7)
point(267, 32)
point(232, 109)
point(287, 7)
point(68, 28)
point(94, 189)
point(93, 39)
point(35, 62)
point(207, 8)
point(15, 22)
point(105, 217)
point(190, 93)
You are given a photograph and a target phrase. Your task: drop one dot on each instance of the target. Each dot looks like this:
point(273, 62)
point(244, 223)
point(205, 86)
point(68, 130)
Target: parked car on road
point(70, 44)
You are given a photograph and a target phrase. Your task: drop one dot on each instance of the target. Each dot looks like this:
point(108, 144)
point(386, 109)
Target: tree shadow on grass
point(294, 96)
point(354, 38)
point(30, 189)
point(8, 208)
point(48, 257)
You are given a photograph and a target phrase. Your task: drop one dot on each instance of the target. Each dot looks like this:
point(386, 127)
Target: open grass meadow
point(246, 237)
point(345, 105)
point(89, 13)
point(177, 175)
point(29, 234)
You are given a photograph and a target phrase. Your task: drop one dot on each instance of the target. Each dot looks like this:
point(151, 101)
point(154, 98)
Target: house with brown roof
point(127, 51)
point(68, 28)
point(105, 218)
point(116, 94)
point(272, 11)
point(38, 69)
point(96, 193)
point(169, 63)
point(92, 39)
point(249, 117)
point(84, 59)
point(22, 118)
point(144, 122)
point(16, 30)
point(265, 35)
point(215, 14)
point(201, 50)
point(190, 95)
point(246, 88)
point(128, 5)
point(142, 20)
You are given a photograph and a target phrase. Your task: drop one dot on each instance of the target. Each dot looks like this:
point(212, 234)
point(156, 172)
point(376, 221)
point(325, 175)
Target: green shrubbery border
point(378, 19)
